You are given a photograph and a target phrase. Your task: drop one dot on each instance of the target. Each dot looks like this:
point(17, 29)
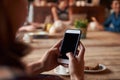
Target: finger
point(70, 56)
point(81, 52)
point(65, 65)
point(57, 45)
point(78, 44)
point(55, 50)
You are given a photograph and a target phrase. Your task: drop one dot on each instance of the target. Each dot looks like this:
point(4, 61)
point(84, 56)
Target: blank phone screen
point(69, 44)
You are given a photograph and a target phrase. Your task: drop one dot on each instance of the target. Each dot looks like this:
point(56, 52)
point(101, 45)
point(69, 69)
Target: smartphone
point(69, 44)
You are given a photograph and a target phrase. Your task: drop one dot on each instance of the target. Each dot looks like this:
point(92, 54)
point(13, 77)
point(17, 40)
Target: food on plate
point(92, 67)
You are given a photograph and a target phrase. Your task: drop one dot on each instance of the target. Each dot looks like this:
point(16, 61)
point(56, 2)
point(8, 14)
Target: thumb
point(70, 56)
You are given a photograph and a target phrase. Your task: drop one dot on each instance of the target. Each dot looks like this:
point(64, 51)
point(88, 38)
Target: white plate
point(58, 72)
point(38, 33)
point(102, 68)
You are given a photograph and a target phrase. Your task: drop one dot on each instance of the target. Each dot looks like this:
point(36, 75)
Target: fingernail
point(67, 54)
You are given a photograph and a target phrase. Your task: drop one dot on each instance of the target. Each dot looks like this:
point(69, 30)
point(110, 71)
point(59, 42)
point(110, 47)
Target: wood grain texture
point(101, 47)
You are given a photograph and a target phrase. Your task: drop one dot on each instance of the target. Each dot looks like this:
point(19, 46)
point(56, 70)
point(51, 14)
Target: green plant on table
point(81, 23)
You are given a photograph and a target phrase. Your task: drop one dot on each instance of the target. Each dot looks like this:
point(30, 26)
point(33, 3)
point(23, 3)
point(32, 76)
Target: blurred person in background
point(30, 25)
point(62, 17)
point(40, 3)
point(13, 14)
point(113, 21)
point(62, 12)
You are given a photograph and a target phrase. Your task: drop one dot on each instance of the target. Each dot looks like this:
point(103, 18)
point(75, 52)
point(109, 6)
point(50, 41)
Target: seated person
point(34, 19)
point(62, 12)
point(113, 22)
point(12, 51)
point(40, 2)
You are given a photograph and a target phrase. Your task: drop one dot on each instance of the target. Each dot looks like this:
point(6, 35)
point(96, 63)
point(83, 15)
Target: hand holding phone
point(69, 44)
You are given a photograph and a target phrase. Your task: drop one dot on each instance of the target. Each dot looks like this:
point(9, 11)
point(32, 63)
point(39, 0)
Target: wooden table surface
point(101, 47)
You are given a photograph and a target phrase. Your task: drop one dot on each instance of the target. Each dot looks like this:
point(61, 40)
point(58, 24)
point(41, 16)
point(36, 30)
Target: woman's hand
point(76, 64)
point(47, 62)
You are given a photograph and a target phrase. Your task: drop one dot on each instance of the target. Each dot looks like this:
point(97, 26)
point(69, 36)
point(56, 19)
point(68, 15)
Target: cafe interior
point(99, 26)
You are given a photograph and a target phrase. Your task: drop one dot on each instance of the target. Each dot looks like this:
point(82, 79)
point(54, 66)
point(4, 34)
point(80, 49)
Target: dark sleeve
point(109, 29)
point(113, 30)
point(116, 25)
point(108, 21)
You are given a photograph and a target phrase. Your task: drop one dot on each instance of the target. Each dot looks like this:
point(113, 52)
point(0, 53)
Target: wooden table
point(101, 47)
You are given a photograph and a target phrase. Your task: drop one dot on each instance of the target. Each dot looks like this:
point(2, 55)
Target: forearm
point(35, 68)
point(99, 26)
